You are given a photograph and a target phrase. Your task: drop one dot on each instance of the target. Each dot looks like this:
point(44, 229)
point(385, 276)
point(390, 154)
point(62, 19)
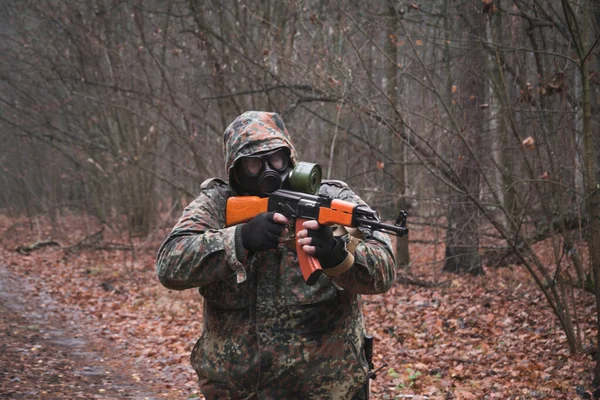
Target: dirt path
point(44, 356)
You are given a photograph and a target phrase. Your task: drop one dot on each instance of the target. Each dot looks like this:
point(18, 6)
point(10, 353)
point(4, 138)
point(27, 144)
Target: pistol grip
point(309, 265)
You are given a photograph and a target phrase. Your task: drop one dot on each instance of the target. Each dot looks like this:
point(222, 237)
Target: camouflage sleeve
point(199, 250)
point(374, 268)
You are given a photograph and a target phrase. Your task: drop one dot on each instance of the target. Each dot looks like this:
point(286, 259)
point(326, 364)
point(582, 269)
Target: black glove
point(261, 232)
point(329, 250)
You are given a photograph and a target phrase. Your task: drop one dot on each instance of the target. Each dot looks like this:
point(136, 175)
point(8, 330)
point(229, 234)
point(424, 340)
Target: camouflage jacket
point(266, 334)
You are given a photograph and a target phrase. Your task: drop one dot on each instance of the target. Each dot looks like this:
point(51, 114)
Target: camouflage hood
point(253, 132)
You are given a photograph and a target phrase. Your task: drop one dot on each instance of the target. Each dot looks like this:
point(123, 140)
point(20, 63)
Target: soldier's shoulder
point(214, 188)
point(334, 188)
point(335, 183)
point(211, 183)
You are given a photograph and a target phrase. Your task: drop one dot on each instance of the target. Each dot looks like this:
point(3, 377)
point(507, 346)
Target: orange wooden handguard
point(243, 208)
point(340, 213)
point(309, 265)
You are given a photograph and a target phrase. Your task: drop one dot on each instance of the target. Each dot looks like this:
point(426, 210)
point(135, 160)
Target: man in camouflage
point(266, 333)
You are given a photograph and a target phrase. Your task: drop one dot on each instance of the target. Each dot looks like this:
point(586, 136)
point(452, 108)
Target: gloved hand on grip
point(263, 232)
point(329, 250)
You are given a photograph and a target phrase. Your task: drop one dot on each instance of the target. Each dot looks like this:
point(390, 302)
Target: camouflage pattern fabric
point(271, 336)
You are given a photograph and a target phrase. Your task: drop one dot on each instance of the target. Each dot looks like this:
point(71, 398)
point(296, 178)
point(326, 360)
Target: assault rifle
point(302, 207)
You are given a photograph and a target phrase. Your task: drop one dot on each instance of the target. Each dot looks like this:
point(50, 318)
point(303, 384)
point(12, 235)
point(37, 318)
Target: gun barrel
point(382, 226)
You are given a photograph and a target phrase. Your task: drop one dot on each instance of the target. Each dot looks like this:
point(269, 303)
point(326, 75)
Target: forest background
point(479, 117)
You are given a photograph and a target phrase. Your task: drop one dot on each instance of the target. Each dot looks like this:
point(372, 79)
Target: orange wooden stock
point(309, 265)
point(243, 208)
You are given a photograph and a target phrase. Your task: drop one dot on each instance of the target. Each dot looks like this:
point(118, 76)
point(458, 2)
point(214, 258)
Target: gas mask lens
point(277, 160)
point(252, 165)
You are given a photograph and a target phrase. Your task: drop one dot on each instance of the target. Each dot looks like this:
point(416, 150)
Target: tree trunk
point(462, 236)
point(592, 186)
point(396, 182)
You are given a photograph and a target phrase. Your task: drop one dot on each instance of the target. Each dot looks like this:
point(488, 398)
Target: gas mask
point(263, 173)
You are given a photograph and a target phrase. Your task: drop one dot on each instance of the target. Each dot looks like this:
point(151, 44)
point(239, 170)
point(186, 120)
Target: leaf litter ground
point(94, 322)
